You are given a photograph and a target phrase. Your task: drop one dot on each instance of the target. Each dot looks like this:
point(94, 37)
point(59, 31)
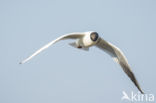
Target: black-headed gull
point(84, 40)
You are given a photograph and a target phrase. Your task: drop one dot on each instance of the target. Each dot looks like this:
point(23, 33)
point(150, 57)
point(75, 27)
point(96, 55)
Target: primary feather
point(67, 36)
point(119, 57)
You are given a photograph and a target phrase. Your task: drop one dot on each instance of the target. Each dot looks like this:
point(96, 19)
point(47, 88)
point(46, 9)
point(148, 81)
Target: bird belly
point(86, 41)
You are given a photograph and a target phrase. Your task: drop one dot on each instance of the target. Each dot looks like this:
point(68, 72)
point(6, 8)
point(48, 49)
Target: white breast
point(86, 40)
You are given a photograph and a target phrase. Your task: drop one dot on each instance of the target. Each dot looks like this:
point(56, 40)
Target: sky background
point(63, 74)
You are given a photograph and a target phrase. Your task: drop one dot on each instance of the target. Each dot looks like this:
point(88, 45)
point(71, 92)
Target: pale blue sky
point(63, 74)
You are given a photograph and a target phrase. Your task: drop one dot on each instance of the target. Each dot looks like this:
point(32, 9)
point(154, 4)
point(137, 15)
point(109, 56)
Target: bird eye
point(94, 36)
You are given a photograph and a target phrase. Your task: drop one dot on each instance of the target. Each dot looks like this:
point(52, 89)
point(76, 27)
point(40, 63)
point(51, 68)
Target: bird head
point(94, 36)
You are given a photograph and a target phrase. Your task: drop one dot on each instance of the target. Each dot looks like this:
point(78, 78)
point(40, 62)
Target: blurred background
point(63, 74)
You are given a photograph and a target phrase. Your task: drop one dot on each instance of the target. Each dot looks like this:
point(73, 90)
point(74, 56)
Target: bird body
point(85, 40)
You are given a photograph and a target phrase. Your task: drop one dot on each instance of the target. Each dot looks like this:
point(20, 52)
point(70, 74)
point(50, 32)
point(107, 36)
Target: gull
point(85, 40)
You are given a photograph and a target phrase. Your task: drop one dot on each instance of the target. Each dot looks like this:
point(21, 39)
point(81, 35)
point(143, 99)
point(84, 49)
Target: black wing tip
point(137, 85)
point(141, 91)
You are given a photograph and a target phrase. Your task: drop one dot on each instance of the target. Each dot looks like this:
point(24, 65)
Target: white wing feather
point(67, 36)
point(118, 57)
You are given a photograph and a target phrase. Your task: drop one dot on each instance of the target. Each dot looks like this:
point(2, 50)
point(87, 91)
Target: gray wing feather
point(119, 57)
point(67, 36)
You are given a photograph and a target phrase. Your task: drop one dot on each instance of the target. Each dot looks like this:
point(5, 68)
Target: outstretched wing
point(67, 36)
point(119, 57)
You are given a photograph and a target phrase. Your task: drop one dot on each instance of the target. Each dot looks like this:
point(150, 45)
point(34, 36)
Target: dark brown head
point(94, 36)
